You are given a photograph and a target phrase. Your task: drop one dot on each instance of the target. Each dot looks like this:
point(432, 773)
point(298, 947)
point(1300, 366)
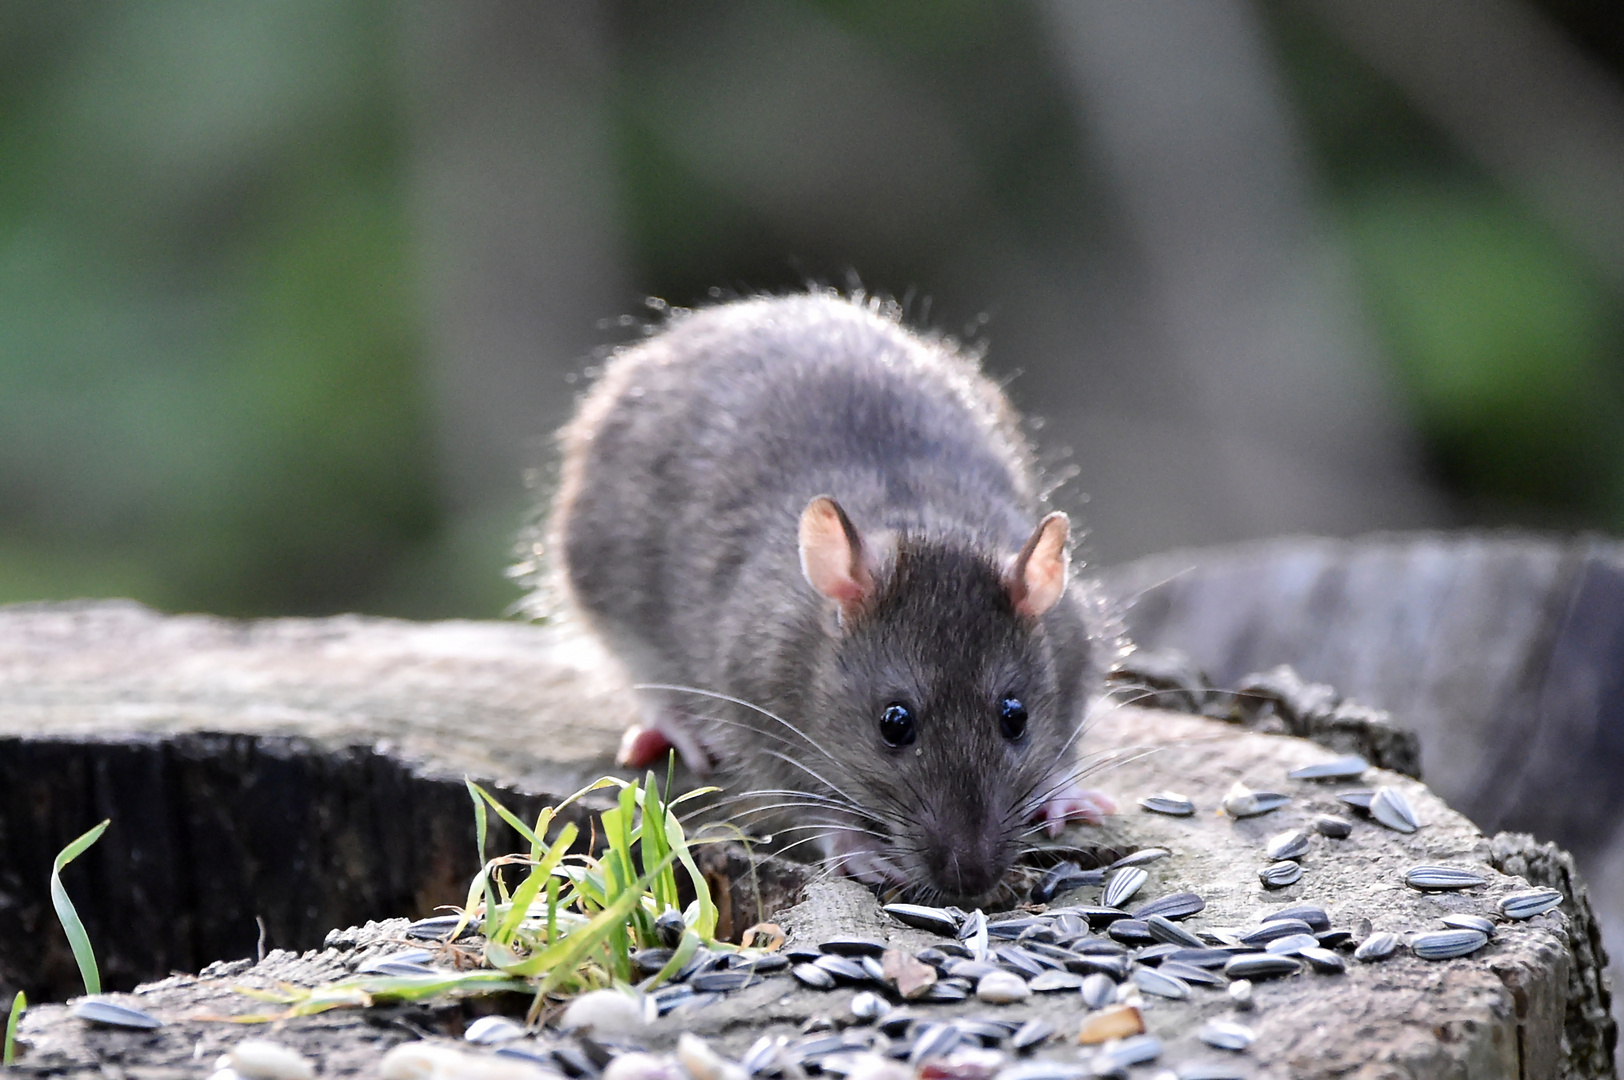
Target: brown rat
point(828, 527)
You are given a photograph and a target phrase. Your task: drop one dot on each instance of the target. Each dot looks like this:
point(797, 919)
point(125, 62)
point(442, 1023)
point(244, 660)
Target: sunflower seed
point(1226, 1035)
point(1378, 946)
point(1002, 988)
point(1179, 905)
point(1332, 826)
point(1334, 939)
point(1292, 944)
point(1202, 958)
point(1280, 874)
point(1359, 799)
point(1123, 884)
point(1134, 1050)
point(1168, 802)
point(1343, 768)
point(1210, 1070)
point(721, 981)
point(1152, 981)
point(1099, 915)
point(1312, 914)
point(1291, 844)
point(971, 923)
point(1260, 966)
point(1010, 929)
point(853, 946)
point(1447, 944)
point(841, 968)
point(1166, 930)
point(1241, 801)
point(1051, 981)
point(920, 917)
point(1140, 857)
point(1098, 990)
point(437, 927)
point(1130, 932)
point(1525, 905)
point(391, 967)
point(1154, 954)
point(976, 939)
point(1030, 1034)
point(762, 964)
point(1116, 967)
point(1389, 807)
point(970, 969)
point(1275, 928)
point(1063, 877)
point(1470, 922)
point(1324, 960)
point(1023, 965)
point(947, 990)
point(1191, 974)
point(1067, 924)
point(105, 1011)
point(1442, 878)
point(802, 954)
point(934, 1041)
point(873, 968)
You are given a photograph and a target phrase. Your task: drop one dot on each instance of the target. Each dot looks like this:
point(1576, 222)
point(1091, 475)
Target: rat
point(815, 540)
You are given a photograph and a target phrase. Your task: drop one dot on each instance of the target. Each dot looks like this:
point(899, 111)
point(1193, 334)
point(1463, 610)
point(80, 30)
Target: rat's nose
point(964, 868)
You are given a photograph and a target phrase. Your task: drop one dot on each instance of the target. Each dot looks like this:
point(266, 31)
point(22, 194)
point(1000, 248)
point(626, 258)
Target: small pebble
point(1240, 992)
point(1002, 988)
point(1112, 1022)
point(261, 1059)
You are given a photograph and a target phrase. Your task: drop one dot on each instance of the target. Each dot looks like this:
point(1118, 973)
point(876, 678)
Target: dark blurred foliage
point(213, 346)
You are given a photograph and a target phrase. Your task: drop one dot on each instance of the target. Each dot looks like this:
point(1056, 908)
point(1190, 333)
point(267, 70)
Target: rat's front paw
point(1073, 802)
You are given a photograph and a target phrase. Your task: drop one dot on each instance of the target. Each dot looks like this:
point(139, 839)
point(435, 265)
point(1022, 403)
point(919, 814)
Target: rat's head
point(939, 689)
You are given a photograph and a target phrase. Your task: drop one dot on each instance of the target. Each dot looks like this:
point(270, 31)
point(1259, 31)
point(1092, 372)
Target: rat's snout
point(964, 865)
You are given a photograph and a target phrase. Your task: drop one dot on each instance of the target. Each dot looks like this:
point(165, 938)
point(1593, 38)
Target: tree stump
point(308, 772)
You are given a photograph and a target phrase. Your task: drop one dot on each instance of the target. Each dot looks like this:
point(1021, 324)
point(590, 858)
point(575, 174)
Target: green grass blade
point(540, 875)
point(18, 1005)
point(77, 938)
point(679, 958)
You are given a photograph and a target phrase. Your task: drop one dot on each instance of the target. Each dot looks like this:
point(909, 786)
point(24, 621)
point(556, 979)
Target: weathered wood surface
point(435, 701)
point(1503, 652)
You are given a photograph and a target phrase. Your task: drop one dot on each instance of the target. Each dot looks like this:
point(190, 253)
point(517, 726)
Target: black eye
point(1012, 718)
point(896, 725)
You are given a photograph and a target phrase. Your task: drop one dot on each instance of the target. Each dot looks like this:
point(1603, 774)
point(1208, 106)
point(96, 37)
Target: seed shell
point(1378, 946)
point(1190, 973)
point(1442, 878)
point(1332, 826)
point(1525, 905)
point(1343, 768)
point(1280, 874)
point(1276, 927)
point(1323, 960)
point(1226, 1035)
point(105, 1011)
point(1447, 944)
point(1152, 981)
point(1179, 905)
point(1122, 885)
point(1242, 801)
point(1168, 802)
point(1292, 944)
point(1389, 807)
point(1358, 799)
point(1140, 857)
point(1291, 844)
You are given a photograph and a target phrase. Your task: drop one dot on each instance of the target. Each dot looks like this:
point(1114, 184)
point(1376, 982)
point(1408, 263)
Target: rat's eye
point(897, 725)
point(1012, 718)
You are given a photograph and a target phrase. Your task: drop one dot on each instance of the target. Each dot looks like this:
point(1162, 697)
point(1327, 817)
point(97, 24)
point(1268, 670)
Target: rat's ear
point(1037, 577)
point(833, 557)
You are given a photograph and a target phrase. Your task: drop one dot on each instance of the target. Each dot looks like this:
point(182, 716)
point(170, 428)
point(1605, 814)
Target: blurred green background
point(245, 248)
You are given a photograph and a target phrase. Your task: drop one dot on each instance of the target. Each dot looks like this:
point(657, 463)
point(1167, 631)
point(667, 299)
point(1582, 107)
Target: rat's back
point(691, 459)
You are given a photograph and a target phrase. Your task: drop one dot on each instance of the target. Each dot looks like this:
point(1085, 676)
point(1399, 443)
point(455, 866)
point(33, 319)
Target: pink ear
point(1038, 576)
point(832, 555)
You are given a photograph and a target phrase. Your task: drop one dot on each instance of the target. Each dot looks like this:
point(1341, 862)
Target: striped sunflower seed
point(1275, 928)
point(1152, 981)
point(1168, 802)
point(1389, 807)
point(812, 975)
point(1324, 961)
point(1140, 857)
point(1332, 826)
point(1098, 990)
point(936, 920)
point(1525, 905)
point(1179, 905)
point(1292, 944)
point(1280, 874)
point(1291, 844)
point(1378, 946)
point(1261, 966)
point(1191, 974)
point(1122, 885)
point(1447, 944)
point(1242, 802)
point(1030, 1034)
point(1163, 929)
point(1441, 878)
point(1470, 922)
point(1359, 799)
point(1316, 917)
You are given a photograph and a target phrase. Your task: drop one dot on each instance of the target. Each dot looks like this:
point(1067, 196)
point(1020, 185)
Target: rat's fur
point(685, 474)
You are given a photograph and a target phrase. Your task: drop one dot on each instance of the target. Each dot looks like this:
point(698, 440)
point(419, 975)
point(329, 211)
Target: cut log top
point(455, 694)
